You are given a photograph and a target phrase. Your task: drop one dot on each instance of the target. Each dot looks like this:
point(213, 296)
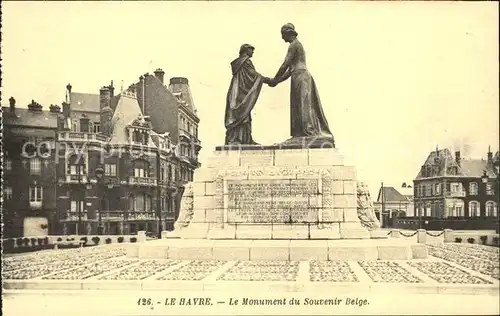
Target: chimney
point(35, 106)
point(54, 108)
point(112, 90)
point(66, 109)
point(159, 73)
point(490, 155)
point(457, 157)
point(12, 103)
point(105, 97)
point(106, 111)
point(68, 93)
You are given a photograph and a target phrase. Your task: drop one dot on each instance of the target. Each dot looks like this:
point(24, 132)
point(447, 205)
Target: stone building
point(453, 192)
point(28, 165)
point(117, 163)
point(393, 203)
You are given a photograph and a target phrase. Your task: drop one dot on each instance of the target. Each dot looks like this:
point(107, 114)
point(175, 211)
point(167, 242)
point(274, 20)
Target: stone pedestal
point(273, 193)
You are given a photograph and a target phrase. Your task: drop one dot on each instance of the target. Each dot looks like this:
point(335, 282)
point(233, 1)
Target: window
point(76, 206)
point(140, 202)
point(141, 169)
point(455, 187)
point(35, 166)
point(74, 126)
point(428, 190)
point(489, 189)
point(110, 170)
point(36, 193)
point(437, 189)
point(474, 209)
point(97, 127)
point(7, 193)
point(459, 209)
point(140, 137)
point(7, 164)
point(491, 208)
point(428, 209)
point(139, 173)
point(76, 165)
point(473, 188)
point(162, 174)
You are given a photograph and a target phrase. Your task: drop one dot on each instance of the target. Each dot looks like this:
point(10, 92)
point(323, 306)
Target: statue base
point(280, 250)
point(298, 203)
point(274, 194)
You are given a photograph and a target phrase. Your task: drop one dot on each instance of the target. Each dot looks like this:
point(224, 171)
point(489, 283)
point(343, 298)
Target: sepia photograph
point(250, 158)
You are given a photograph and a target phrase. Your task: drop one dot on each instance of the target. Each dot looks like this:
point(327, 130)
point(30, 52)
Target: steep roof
point(443, 160)
point(127, 113)
point(127, 110)
point(87, 102)
point(474, 168)
point(29, 118)
point(179, 87)
point(390, 195)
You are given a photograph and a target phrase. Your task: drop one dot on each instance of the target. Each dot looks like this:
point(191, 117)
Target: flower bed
point(474, 250)
point(485, 267)
point(262, 271)
point(387, 271)
point(194, 271)
point(331, 271)
point(143, 270)
point(443, 272)
point(70, 260)
point(90, 270)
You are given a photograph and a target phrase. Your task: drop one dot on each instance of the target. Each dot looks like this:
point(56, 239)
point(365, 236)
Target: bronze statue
point(241, 98)
point(306, 112)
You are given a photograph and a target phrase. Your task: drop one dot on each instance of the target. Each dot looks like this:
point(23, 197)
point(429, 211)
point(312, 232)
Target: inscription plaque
point(272, 201)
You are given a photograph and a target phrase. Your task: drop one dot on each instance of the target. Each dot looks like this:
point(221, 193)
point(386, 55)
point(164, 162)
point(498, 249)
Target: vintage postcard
point(250, 158)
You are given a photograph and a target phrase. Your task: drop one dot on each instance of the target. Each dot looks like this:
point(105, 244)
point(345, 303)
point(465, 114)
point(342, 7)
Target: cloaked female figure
point(306, 113)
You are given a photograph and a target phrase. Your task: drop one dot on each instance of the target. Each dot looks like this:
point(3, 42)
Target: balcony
point(73, 217)
point(82, 137)
point(76, 178)
point(455, 194)
point(146, 216)
point(35, 205)
point(113, 216)
point(142, 181)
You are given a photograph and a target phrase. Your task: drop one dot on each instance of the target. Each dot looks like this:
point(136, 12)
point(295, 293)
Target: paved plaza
point(469, 271)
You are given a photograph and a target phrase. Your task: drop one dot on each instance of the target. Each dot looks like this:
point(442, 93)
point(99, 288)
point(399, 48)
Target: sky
point(396, 79)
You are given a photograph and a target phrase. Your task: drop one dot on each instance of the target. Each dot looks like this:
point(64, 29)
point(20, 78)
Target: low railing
point(142, 181)
point(455, 194)
point(150, 216)
point(81, 136)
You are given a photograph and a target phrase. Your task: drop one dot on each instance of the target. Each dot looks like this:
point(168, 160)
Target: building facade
point(108, 170)
point(28, 164)
point(457, 193)
point(392, 204)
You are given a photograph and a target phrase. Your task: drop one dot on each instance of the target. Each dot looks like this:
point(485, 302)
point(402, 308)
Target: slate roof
point(28, 118)
point(180, 88)
point(87, 102)
point(391, 195)
point(470, 168)
point(127, 112)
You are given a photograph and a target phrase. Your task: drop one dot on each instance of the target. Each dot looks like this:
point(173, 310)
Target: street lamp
point(99, 172)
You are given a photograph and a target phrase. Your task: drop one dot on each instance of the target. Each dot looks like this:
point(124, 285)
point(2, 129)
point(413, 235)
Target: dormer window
point(140, 137)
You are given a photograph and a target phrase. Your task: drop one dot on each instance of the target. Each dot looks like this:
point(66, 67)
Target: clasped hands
point(270, 82)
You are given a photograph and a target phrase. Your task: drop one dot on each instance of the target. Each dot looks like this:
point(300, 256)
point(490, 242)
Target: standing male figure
point(243, 93)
